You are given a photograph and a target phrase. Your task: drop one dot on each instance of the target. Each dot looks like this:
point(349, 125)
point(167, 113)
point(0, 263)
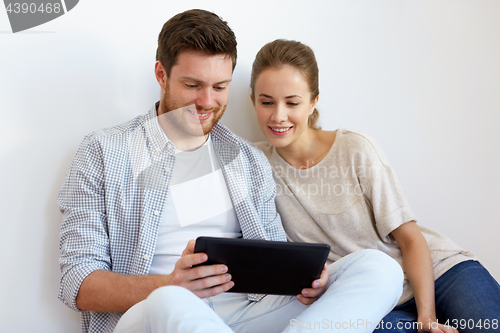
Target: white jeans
point(363, 287)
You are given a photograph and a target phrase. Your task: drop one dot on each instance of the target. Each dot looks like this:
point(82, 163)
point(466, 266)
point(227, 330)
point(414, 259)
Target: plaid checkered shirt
point(113, 195)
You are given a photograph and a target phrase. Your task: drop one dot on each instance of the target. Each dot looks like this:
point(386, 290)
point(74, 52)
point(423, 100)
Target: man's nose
point(205, 99)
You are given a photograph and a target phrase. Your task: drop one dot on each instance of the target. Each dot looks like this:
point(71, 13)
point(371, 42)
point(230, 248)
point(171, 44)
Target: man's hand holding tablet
point(266, 267)
point(203, 281)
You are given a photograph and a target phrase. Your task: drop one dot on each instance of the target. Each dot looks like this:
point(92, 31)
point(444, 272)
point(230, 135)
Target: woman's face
point(283, 104)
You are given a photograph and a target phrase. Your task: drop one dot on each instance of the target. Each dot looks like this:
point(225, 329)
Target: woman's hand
point(311, 295)
point(432, 326)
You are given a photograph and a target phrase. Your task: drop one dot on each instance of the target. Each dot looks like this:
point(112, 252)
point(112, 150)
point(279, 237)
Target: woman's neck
point(308, 150)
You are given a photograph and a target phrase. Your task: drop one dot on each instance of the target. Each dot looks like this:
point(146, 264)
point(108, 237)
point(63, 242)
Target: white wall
point(422, 78)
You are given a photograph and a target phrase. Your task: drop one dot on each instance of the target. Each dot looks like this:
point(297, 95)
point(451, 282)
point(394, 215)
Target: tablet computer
point(266, 267)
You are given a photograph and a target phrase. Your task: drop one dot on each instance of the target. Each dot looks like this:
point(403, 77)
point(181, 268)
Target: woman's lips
point(280, 130)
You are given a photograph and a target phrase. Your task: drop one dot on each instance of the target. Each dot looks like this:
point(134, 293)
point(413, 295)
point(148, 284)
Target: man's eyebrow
point(189, 78)
point(225, 81)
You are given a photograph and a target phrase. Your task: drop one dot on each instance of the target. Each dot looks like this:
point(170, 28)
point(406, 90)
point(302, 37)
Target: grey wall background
point(422, 78)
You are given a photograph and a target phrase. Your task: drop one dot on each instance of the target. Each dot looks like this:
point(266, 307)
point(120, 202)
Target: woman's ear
point(314, 103)
point(253, 101)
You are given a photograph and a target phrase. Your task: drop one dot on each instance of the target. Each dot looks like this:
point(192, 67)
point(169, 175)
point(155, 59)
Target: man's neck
point(185, 143)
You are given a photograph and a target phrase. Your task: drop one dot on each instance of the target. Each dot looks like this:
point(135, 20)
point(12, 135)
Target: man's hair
point(194, 30)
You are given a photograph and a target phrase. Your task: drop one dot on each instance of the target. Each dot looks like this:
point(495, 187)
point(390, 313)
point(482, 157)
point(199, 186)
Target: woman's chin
point(277, 142)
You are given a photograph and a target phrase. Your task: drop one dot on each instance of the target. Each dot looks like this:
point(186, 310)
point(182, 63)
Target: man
point(137, 193)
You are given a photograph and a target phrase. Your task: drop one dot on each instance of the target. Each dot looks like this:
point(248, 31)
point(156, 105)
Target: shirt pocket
point(346, 220)
point(351, 229)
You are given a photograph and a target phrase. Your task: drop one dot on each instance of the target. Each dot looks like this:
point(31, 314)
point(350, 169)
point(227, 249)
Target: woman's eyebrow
point(291, 96)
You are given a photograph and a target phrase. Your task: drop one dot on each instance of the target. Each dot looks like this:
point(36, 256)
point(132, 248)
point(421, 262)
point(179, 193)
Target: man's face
point(197, 90)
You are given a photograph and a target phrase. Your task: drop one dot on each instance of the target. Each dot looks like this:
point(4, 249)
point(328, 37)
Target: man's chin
point(213, 120)
point(198, 130)
point(207, 129)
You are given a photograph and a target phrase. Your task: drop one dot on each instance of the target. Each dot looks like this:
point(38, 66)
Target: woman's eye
point(293, 104)
point(267, 103)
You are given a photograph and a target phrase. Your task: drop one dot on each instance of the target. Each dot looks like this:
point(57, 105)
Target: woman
point(337, 187)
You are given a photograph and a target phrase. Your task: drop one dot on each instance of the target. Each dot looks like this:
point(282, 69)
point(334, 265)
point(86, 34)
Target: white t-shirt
point(198, 204)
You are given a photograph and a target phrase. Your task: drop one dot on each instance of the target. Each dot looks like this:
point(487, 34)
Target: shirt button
point(157, 212)
point(158, 149)
point(145, 257)
point(167, 169)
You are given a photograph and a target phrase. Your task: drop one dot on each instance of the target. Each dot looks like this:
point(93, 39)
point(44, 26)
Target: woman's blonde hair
point(289, 52)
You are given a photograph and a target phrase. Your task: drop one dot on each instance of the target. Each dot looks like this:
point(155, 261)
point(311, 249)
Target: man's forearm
point(112, 292)
point(106, 291)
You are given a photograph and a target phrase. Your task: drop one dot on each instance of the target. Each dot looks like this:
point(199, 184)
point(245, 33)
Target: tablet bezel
point(266, 267)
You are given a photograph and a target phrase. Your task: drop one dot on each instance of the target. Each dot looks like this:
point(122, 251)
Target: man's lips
point(200, 115)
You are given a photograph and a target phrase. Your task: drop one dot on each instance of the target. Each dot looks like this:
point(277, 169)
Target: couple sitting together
point(137, 194)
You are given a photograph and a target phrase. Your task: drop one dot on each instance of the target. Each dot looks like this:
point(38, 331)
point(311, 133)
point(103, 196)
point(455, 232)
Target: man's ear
point(161, 75)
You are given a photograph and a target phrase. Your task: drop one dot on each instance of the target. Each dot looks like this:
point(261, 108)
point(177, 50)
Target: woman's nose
point(279, 114)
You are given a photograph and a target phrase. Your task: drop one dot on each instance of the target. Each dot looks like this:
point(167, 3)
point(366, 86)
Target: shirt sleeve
point(382, 189)
point(269, 215)
point(84, 243)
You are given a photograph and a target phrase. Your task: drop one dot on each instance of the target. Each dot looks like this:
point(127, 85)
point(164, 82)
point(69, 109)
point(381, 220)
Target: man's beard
point(176, 115)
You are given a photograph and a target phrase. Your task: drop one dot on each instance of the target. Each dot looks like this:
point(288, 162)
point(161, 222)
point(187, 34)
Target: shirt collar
point(158, 140)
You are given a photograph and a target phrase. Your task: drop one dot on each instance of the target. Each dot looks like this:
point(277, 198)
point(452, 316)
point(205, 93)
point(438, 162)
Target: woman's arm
point(417, 264)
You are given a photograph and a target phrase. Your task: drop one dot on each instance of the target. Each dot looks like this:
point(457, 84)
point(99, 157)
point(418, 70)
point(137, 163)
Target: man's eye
point(219, 88)
point(191, 86)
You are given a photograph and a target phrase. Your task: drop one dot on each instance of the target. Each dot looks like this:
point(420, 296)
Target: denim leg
point(401, 319)
point(363, 287)
point(468, 296)
point(171, 309)
point(361, 293)
point(174, 309)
